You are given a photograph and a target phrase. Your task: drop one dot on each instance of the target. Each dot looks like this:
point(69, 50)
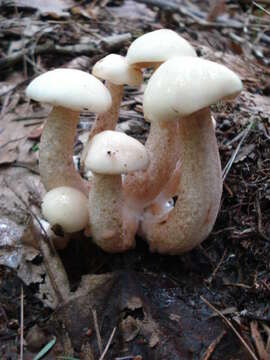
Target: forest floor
point(211, 303)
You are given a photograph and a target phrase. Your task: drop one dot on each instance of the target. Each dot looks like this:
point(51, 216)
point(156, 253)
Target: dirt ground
point(211, 303)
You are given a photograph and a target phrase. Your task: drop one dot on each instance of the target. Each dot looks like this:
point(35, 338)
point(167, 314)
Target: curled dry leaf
point(21, 239)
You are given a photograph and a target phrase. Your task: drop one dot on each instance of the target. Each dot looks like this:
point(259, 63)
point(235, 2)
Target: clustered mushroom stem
point(142, 187)
point(56, 150)
point(161, 206)
point(106, 214)
point(199, 191)
point(107, 120)
point(162, 146)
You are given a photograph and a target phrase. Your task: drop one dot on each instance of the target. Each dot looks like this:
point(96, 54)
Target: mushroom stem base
point(199, 190)
point(112, 227)
point(142, 187)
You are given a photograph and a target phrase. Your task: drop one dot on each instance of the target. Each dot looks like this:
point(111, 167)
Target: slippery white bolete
point(66, 207)
point(116, 72)
point(110, 154)
point(151, 50)
point(182, 89)
point(69, 91)
point(156, 47)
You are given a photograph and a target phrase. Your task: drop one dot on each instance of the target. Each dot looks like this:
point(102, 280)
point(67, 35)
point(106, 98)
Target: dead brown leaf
point(21, 242)
point(57, 8)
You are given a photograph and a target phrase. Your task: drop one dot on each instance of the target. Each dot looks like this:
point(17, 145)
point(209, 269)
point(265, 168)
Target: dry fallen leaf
point(56, 8)
point(21, 239)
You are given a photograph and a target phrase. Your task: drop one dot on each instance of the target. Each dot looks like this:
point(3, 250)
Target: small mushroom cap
point(72, 89)
point(115, 69)
point(112, 153)
point(67, 207)
point(158, 46)
point(184, 85)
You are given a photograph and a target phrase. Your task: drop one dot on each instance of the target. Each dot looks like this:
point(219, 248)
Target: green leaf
point(45, 349)
point(35, 147)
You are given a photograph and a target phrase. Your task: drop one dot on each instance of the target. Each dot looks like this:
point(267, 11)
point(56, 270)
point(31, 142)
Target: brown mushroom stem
point(56, 149)
point(142, 187)
point(199, 190)
point(113, 226)
point(160, 207)
point(107, 120)
point(162, 144)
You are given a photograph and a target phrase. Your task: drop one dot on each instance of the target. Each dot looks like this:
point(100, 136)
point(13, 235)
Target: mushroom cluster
point(132, 185)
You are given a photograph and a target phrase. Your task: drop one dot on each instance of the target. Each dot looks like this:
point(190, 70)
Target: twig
point(212, 346)
point(21, 83)
point(12, 141)
point(30, 117)
point(108, 344)
point(34, 123)
point(131, 357)
point(261, 7)
point(231, 161)
point(240, 285)
point(228, 323)
point(265, 2)
point(22, 324)
point(32, 169)
point(213, 275)
point(93, 47)
point(99, 340)
point(261, 350)
point(239, 136)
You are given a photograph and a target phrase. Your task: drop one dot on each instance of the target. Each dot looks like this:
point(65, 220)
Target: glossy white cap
point(115, 69)
point(184, 85)
point(112, 153)
point(67, 207)
point(72, 89)
point(158, 46)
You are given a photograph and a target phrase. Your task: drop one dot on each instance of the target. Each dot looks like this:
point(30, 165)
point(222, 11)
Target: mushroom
point(115, 70)
point(110, 154)
point(66, 207)
point(182, 89)
point(69, 91)
point(149, 50)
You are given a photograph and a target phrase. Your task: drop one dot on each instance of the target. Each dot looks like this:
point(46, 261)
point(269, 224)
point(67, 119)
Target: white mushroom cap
point(112, 153)
point(67, 207)
point(184, 85)
point(115, 69)
point(72, 89)
point(158, 46)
